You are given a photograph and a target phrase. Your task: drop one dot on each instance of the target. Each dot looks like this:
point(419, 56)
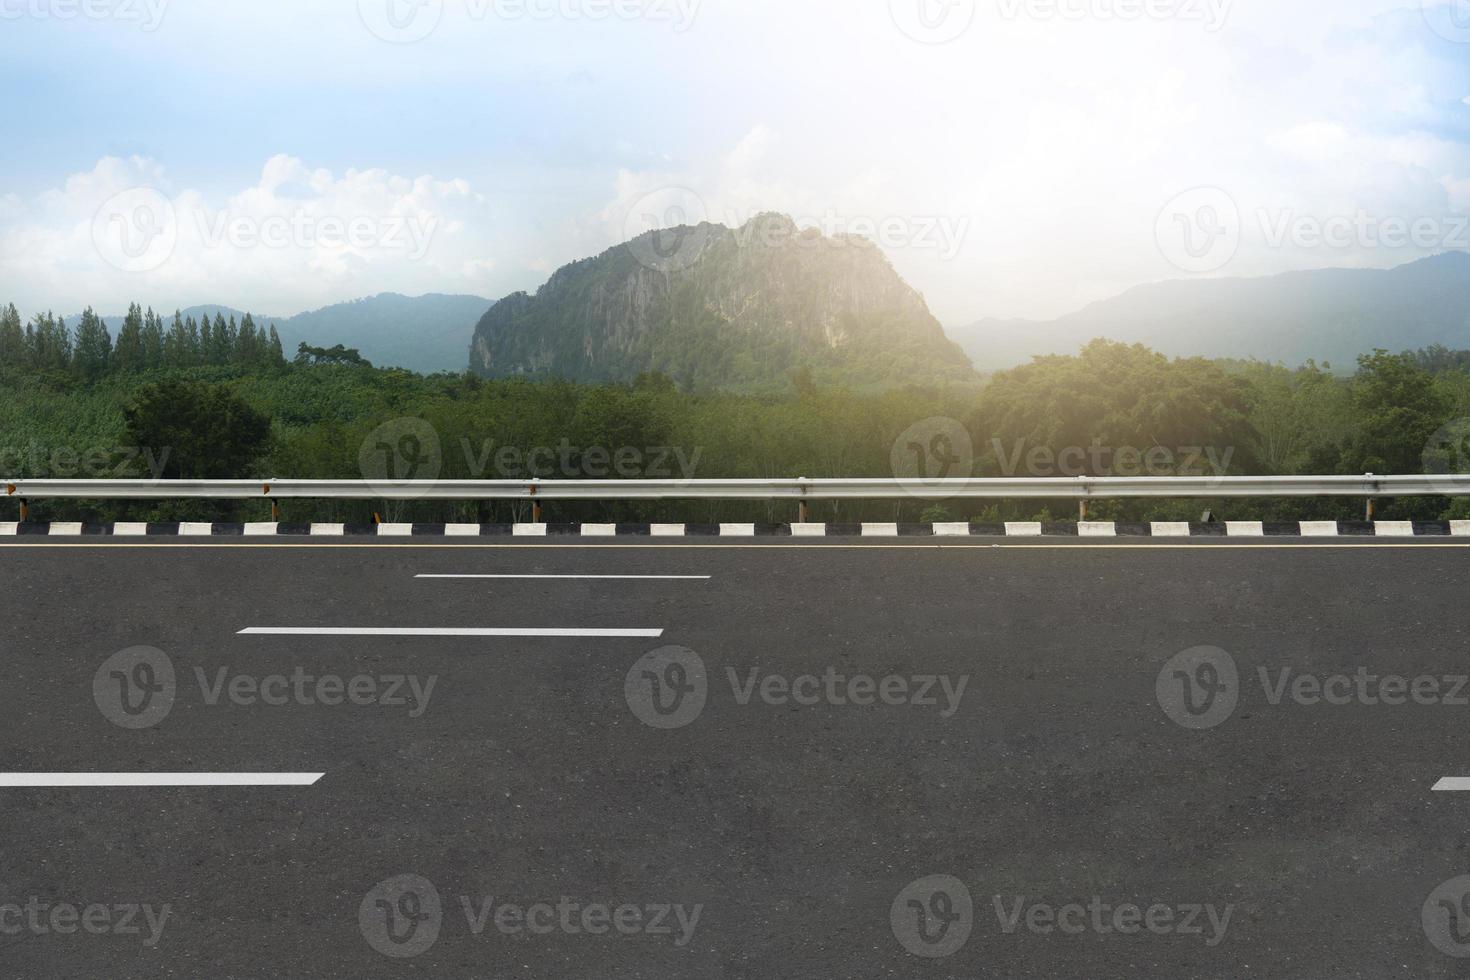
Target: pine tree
point(224, 341)
point(12, 338)
point(93, 348)
point(176, 344)
point(127, 353)
point(247, 347)
point(276, 355)
point(195, 342)
point(206, 341)
point(50, 343)
point(152, 340)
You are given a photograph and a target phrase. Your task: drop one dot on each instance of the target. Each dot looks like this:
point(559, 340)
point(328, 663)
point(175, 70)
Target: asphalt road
point(768, 761)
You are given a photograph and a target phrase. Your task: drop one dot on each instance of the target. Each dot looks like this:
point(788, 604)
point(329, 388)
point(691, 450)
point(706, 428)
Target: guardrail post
point(1370, 503)
point(536, 512)
point(25, 510)
point(803, 507)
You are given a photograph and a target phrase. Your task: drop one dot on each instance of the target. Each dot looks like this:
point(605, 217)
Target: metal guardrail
point(1080, 488)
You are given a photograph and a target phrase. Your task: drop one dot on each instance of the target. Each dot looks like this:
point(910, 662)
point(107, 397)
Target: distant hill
point(423, 333)
point(714, 307)
point(1331, 315)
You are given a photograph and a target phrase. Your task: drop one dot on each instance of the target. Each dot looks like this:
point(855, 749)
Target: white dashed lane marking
point(23, 780)
point(616, 578)
point(445, 631)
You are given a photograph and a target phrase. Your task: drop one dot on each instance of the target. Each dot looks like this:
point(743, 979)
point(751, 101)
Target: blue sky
point(1013, 157)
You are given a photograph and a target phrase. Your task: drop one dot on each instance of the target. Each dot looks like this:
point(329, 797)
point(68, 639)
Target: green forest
point(170, 398)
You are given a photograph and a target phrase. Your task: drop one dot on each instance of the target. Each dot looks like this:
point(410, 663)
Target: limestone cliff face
point(715, 307)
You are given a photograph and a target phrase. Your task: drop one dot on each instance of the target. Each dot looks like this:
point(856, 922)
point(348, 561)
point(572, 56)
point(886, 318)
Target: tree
point(224, 340)
point(93, 354)
point(274, 354)
point(803, 383)
point(49, 343)
point(152, 340)
point(247, 344)
point(207, 431)
point(1115, 410)
point(195, 341)
point(128, 351)
point(176, 344)
point(1399, 409)
point(311, 356)
point(12, 338)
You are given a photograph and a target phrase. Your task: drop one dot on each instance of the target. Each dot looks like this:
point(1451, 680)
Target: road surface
point(713, 759)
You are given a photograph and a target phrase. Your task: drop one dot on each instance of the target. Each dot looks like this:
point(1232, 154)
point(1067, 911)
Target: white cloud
point(1060, 141)
point(297, 238)
point(1055, 140)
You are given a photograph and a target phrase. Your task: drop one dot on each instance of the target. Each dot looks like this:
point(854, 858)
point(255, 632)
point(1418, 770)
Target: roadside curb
point(1094, 529)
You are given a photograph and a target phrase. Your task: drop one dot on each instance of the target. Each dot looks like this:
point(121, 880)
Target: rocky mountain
point(1330, 315)
point(715, 307)
point(421, 333)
